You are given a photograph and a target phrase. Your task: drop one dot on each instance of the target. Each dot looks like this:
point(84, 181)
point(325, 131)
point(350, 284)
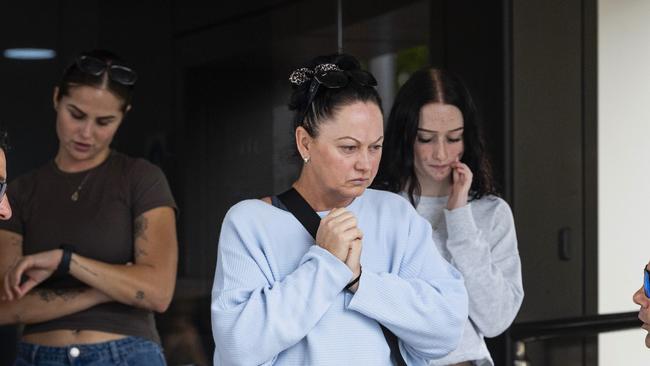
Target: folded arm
point(146, 283)
point(42, 304)
point(149, 282)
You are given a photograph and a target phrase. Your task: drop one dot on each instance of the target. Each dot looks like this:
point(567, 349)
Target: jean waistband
point(113, 350)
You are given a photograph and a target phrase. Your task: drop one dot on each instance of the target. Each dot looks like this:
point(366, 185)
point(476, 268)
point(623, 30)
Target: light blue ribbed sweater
point(278, 299)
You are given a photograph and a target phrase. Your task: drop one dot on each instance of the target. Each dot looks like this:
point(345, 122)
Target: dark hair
point(74, 76)
point(328, 101)
point(431, 85)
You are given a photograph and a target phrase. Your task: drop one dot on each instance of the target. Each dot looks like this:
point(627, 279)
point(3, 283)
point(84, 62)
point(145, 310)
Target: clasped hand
point(338, 234)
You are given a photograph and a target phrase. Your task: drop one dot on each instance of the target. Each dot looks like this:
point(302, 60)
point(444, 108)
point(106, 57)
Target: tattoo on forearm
point(140, 227)
point(68, 294)
point(84, 268)
point(139, 252)
point(139, 295)
point(17, 241)
point(45, 295)
point(48, 295)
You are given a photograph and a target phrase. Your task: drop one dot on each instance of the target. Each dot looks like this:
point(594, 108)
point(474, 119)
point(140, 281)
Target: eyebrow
point(109, 117)
point(431, 131)
point(352, 138)
point(76, 108)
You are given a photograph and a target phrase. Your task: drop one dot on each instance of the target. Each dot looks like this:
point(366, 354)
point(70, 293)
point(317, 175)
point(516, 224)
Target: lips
point(79, 146)
point(360, 180)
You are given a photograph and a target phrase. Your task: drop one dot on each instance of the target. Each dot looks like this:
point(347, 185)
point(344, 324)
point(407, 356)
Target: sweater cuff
point(339, 273)
point(460, 223)
point(371, 296)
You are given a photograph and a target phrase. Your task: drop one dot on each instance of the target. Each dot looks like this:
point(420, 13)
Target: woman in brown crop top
point(91, 251)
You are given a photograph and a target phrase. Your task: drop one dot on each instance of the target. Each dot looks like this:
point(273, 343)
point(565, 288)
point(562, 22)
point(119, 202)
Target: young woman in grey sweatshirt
point(435, 157)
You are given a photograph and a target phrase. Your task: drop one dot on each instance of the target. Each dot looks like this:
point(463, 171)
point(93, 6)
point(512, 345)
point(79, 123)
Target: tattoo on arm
point(45, 295)
point(17, 241)
point(139, 252)
point(140, 227)
point(84, 268)
point(139, 295)
point(48, 295)
point(68, 294)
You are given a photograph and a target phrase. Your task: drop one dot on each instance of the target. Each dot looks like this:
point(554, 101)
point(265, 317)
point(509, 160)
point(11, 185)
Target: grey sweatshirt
point(479, 239)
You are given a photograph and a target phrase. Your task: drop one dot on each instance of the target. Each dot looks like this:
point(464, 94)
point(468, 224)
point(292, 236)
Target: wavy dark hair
point(328, 101)
point(73, 76)
point(431, 85)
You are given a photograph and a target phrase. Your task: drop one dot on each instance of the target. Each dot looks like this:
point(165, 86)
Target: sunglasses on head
point(116, 72)
point(331, 77)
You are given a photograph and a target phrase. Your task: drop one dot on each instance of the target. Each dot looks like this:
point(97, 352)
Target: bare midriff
point(65, 337)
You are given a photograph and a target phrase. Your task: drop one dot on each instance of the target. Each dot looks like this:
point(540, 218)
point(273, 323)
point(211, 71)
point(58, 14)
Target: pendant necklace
point(75, 195)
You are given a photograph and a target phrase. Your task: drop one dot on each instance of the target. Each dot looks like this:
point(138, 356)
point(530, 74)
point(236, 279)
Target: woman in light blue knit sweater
point(282, 298)
point(435, 157)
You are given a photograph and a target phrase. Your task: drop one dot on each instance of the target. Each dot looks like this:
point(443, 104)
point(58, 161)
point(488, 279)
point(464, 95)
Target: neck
point(319, 198)
point(70, 165)
point(433, 188)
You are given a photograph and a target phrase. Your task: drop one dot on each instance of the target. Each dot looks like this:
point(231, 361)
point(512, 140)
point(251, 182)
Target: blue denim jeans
point(127, 351)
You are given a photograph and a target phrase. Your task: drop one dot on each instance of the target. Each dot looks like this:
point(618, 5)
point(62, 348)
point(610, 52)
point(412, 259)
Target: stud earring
point(306, 159)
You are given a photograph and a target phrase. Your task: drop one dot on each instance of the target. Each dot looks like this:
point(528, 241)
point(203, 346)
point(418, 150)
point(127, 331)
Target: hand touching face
point(461, 182)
